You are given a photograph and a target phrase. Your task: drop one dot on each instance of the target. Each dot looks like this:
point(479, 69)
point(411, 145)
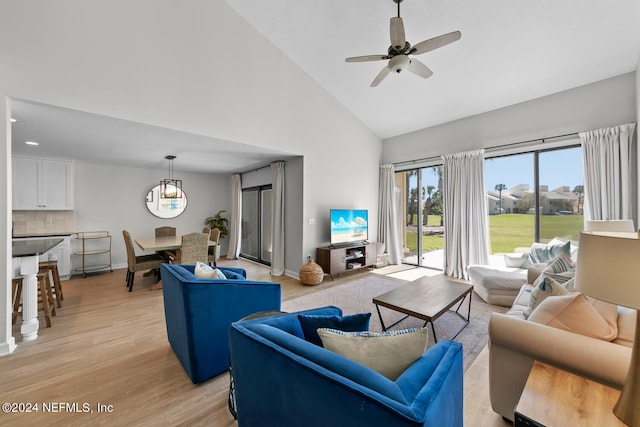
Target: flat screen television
point(349, 226)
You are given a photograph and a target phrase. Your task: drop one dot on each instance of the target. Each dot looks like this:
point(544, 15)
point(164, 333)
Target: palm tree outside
point(500, 188)
point(579, 191)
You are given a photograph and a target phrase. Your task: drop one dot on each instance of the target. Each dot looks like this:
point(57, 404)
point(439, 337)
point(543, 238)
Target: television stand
point(336, 259)
point(348, 245)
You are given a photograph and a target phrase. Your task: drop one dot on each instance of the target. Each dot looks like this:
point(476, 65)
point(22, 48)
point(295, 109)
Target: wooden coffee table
point(426, 298)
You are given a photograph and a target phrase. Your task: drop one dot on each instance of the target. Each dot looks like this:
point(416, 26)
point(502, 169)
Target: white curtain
point(609, 173)
point(465, 214)
point(277, 219)
point(235, 221)
point(389, 233)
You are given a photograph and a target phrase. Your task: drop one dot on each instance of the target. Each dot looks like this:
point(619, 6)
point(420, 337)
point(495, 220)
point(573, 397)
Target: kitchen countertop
point(23, 248)
point(54, 234)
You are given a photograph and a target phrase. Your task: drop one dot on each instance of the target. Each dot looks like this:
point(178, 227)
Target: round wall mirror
point(165, 208)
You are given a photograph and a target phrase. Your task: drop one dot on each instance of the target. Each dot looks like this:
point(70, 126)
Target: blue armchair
point(281, 379)
point(198, 313)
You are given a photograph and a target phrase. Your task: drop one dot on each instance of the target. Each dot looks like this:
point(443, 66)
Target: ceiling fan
point(400, 49)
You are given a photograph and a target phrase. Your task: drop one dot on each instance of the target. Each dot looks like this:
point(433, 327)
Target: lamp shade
point(625, 225)
point(608, 267)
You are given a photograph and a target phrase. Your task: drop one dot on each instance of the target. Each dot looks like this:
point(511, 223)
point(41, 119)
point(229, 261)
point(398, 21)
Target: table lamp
point(609, 270)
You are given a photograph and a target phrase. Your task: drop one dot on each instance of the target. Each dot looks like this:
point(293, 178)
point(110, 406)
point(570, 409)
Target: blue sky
point(557, 168)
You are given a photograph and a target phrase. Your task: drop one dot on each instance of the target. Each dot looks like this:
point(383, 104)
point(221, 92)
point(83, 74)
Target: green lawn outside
point(509, 231)
point(432, 219)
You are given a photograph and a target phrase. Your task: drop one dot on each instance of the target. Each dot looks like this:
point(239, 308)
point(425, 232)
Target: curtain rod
point(262, 167)
point(254, 170)
point(494, 147)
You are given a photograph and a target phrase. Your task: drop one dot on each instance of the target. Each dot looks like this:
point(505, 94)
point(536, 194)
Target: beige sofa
point(514, 343)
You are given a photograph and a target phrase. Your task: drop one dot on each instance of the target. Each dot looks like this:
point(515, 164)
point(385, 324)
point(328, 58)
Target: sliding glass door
point(255, 241)
point(421, 212)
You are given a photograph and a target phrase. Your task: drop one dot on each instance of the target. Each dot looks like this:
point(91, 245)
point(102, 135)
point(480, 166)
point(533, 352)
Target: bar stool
point(46, 302)
point(52, 267)
point(16, 293)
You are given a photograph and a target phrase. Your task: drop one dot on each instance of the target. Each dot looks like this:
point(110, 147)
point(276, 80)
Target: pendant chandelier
point(170, 188)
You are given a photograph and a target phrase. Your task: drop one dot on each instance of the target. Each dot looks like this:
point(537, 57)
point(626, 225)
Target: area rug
point(357, 297)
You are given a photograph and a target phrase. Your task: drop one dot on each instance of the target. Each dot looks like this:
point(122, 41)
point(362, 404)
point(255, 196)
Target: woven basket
point(311, 273)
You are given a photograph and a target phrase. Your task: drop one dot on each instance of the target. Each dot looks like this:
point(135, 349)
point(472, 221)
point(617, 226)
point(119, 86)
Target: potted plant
point(217, 221)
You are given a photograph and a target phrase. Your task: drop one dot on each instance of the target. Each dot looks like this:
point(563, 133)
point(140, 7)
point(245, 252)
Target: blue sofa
point(282, 380)
point(198, 313)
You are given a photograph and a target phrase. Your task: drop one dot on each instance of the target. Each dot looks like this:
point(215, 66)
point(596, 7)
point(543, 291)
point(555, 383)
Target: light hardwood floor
point(108, 346)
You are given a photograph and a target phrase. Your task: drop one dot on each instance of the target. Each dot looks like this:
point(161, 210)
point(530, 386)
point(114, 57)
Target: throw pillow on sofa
point(388, 353)
point(349, 323)
point(515, 260)
point(545, 288)
point(560, 264)
point(561, 269)
point(204, 271)
point(232, 275)
point(541, 252)
point(580, 314)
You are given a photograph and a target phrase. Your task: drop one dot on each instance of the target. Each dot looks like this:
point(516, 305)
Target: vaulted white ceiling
point(511, 51)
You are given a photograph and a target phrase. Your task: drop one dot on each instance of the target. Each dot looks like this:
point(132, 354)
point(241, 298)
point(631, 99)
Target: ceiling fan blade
point(366, 58)
point(397, 33)
point(380, 77)
point(435, 43)
point(419, 69)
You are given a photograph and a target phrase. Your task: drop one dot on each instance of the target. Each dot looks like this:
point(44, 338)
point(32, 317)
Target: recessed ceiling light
point(31, 143)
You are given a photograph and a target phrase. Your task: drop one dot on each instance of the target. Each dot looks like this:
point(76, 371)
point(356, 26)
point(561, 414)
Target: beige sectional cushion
point(626, 326)
point(580, 314)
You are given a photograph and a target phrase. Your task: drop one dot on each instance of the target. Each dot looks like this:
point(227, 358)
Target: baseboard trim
point(6, 348)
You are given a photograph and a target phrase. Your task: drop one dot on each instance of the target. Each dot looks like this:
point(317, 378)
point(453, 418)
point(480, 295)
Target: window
point(534, 196)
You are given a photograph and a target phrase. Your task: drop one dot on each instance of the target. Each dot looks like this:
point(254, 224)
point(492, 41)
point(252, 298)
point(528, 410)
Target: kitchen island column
point(25, 255)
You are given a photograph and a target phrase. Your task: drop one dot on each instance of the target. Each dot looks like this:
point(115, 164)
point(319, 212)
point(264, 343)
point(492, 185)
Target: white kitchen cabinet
point(42, 184)
point(62, 254)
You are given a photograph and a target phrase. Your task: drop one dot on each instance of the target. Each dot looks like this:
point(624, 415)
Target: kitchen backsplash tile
point(43, 222)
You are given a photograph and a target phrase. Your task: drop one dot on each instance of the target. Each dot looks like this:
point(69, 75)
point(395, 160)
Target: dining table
point(164, 243)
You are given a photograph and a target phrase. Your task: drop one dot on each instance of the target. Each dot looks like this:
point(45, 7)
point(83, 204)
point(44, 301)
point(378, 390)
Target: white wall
point(173, 64)
point(637, 124)
point(112, 198)
point(606, 103)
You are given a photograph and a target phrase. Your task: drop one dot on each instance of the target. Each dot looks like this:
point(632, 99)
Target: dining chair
point(194, 248)
point(214, 236)
point(139, 263)
point(166, 231)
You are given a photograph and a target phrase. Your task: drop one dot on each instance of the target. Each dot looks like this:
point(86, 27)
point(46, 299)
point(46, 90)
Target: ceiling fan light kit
point(400, 49)
point(398, 63)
